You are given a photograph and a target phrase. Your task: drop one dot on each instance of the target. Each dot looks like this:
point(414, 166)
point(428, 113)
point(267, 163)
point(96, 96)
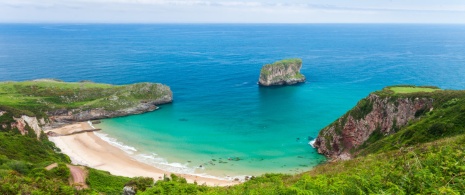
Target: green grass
point(102, 181)
point(412, 89)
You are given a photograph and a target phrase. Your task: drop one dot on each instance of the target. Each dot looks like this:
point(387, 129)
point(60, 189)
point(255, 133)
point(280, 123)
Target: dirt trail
point(50, 167)
point(79, 176)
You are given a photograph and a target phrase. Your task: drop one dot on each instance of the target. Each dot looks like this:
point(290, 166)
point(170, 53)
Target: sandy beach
point(89, 150)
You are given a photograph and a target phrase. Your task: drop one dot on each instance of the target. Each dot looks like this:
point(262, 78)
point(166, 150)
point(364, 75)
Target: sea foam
point(116, 143)
point(311, 143)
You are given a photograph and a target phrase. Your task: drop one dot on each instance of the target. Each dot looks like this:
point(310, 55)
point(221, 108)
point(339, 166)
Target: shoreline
point(90, 150)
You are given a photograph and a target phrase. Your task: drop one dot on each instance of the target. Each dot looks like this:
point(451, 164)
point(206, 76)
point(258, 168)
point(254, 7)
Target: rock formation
point(284, 72)
point(377, 114)
point(64, 116)
point(122, 105)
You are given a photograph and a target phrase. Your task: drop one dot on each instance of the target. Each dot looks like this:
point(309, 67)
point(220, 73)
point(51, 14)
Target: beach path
point(78, 176)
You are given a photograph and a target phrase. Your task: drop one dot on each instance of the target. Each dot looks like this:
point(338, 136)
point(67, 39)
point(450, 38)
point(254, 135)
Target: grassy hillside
point(22, 166)
point(34, 98)
point(425, 157)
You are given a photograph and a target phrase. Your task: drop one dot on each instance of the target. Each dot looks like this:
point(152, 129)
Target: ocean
point(221, 122)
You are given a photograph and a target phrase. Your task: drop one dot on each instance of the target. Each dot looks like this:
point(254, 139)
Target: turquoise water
point(219, 112)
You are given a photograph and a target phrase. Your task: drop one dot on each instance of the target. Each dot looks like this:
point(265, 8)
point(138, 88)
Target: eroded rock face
point(61, 117)
point(386, 116)
point(285, 72)
point(31, 122)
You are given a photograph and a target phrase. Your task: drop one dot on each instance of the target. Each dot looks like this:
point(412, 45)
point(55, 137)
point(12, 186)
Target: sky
point(232, 11)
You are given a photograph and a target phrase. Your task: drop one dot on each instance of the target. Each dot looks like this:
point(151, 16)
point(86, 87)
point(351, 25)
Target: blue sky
point(233, 11)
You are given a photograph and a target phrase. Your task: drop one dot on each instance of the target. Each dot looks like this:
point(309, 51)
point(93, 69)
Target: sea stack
point(284, 72)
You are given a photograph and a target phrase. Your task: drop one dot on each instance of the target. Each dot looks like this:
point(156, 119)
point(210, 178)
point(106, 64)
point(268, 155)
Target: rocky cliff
point(374, 115)
point(284, 72)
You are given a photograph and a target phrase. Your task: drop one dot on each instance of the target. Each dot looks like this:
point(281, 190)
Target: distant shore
point(90, 150)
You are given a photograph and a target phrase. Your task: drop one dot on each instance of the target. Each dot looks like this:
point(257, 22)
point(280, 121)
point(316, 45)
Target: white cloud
point(298, 11)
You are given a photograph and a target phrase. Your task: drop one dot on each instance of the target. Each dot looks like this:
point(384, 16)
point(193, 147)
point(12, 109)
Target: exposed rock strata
point(285, 72)
point(63, 116)
point(385, 115)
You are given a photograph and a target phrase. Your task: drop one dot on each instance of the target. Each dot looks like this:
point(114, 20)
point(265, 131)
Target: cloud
point(232, 4)
point(232, 10)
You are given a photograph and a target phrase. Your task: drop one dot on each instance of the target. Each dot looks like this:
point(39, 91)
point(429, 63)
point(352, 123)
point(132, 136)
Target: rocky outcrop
point(383, 115)
point(63, 116)
point(284, 72)
point(23, 123)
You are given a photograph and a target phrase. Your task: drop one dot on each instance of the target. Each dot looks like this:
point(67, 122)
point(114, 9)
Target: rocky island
point(284, 72)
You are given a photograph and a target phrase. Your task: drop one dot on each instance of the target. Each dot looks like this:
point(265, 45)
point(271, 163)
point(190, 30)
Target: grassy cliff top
point(412, 89)
point(36, 97)
point(284, 63)
point(407, 91)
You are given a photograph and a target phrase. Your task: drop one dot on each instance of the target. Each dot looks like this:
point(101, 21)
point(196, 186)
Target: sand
point(89, 150)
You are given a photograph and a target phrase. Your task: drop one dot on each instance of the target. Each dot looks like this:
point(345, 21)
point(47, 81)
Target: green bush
point(102, 181)
point(140, 183)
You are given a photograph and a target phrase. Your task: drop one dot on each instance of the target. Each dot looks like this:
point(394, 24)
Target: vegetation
point(425, 157)
point(14, 146)
point(35, 98)
point(22, 166)
point(102, 181)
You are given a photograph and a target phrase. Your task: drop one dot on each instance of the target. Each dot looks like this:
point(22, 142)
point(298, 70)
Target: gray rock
point(128, 190)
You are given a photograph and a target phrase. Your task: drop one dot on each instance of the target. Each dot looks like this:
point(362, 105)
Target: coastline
point(90, 150)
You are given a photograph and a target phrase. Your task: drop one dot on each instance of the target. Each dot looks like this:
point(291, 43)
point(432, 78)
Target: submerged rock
point(284, 72)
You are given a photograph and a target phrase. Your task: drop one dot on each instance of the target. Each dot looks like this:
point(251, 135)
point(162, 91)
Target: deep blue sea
point(220, 118)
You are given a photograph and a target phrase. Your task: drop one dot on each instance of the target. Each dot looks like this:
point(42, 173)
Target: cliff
point(284, 72)
point(374, 117)
point(46, 103)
